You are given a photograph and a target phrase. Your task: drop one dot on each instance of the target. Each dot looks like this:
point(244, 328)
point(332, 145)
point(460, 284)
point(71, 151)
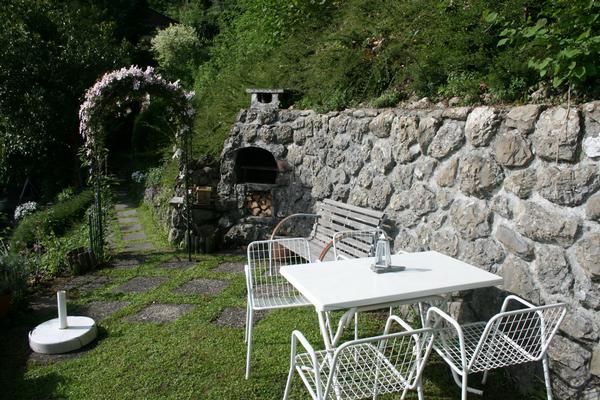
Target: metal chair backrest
point(358, 371)
point(513, 337)
point(265, 258)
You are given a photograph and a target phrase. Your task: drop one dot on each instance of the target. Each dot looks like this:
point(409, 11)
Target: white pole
point(61, 297)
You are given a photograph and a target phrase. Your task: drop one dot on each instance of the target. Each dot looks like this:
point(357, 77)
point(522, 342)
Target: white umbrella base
point(47, 338)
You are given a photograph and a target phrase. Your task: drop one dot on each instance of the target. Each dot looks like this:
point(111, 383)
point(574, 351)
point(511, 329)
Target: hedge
point(56, 219)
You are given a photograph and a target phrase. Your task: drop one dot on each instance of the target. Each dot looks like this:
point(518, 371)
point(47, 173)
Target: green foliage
point(55, 220)
point(65, 194)
point(53, 259)
point(13, 276)
point(50, 52)
point(177, 50)
point(563, 40)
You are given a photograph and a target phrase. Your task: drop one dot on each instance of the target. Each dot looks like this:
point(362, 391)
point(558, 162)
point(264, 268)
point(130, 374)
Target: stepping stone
point(230, 267)
point(202, 286)
point(99, 310)
point(134, 236)
point(127, 213)
point(160, 313)
point(128, 260)
point(138, 246)
point(140, 284)
point(131, 228)
point(121, 207)
point(235, 317)
point(178, 264)
point(128, 220)
point(86, 283)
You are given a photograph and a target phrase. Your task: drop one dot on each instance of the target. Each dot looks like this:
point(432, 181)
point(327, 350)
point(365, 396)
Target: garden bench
point(334, 217)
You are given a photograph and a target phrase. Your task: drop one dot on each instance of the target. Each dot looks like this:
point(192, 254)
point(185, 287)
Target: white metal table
point(351, 284)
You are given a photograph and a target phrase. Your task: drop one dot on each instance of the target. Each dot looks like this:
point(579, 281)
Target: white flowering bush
point(138, 176)
point(120, 87)
point(25, 209)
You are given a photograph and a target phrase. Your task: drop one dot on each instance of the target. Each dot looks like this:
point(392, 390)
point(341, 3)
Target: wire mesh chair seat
point(267, 288)
point(363, 368)
point(514, 336)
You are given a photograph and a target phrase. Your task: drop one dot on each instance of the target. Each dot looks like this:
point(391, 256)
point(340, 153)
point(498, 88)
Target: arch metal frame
point(103, 100)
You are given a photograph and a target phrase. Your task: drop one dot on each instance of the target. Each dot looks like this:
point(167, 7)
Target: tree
point(50, 52)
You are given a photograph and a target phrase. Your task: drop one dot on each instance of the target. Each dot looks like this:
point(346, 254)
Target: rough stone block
point(553, 270)
point(449, 137)
point(570, 360)
point(552, 138)
point(523, 118)
point(481, 125)
point(514, 242)
point(479, 175)
point(568, 186)
point(521, 183)
point(587, 252)
point(447, 173)
point(482, 253)
point(517, 279)
point(512, 150)
point(471, 219)
point(592, 207)
point(540, 225)
point(381, 125)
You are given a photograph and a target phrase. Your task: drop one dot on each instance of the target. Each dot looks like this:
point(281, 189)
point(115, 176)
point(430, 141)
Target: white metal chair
point(363, 368)
point(512, 336)
point(267, 289)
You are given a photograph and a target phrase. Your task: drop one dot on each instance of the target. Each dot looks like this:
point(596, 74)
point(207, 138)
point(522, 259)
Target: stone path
point(160, 313)
point(133, 232)
point(202, 286)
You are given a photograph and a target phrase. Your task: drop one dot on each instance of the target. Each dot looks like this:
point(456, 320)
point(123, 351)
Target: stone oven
point(256, 169)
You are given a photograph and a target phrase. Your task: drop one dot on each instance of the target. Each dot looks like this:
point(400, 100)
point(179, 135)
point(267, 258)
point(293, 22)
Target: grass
point(190, 358)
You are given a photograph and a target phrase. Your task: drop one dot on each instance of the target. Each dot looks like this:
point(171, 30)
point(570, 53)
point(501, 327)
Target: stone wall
point(512, 190)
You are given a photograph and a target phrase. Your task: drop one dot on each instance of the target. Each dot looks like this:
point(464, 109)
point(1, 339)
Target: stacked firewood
point(260, 204)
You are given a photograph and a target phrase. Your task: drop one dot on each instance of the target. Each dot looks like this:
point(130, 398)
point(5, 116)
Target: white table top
point(343, 284)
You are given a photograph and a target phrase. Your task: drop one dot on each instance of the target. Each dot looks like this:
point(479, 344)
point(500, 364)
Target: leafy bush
point(65, 194)
point(13, 275)
point(177, 50)
point(55, 220)
point(563, 40)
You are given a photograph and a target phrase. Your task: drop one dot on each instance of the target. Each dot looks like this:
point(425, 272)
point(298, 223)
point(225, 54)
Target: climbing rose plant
point(117, 89)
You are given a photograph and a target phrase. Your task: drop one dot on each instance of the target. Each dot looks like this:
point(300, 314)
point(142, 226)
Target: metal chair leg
point(464, 387)
point(246, 331)
point(485, 376)
point(249, 350)
point(547, 376)
point(288, 384)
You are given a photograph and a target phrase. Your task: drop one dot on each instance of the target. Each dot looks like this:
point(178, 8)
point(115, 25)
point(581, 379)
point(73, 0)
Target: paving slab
point(235, 317)
point(127, 213)
point(131, 228)
point(99, 310)
point(140, 284)
point(230, 267)
point(128, 220)
point(128, 260)
point(122, 206)
point(86, 283)
point(202, 286)
point(138, 246)
point(157, 313)
point(178, 264)
point(134, 236)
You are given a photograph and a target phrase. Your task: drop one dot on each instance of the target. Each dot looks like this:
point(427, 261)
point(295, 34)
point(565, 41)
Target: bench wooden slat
point(338, 227)
point(328, 210)
point(358, 210)
point(353, 241)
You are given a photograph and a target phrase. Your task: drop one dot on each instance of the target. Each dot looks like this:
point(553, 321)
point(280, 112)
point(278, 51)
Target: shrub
point(13, 275)
point(56, 219)
point(177, 49)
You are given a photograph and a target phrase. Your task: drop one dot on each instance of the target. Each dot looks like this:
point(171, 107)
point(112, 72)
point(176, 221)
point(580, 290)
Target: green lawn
point(190, 358)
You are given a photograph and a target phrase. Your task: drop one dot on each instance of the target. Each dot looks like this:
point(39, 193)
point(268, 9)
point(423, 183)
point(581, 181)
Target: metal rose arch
point(102, 101)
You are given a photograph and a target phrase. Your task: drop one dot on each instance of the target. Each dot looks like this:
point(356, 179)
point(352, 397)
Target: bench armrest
point(289, 217)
